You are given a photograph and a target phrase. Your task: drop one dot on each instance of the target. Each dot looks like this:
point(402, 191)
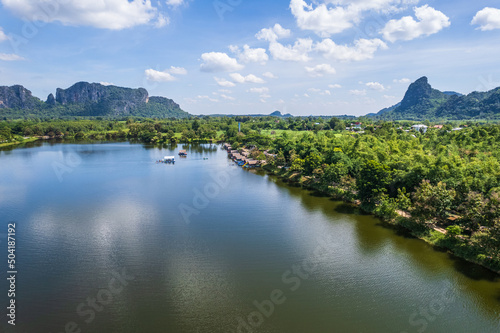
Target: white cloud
point(250, 55)
point(430, 21)
point(10, 57)
point(327, 17)
point(363, 49)
point(159, 76)
point(238, 78)
point(177, 70)
point(269, 75)
point(298, 52)
point(334, 86)
point(175, 3)
point(166, 75)
point(320, 70)
point(219, 62)
point(273, 34)
point(3, 36)
point(403, 80)
point(358, 92)
point(224, 83)
point(322, 19)
point(162, 21)
point(226, 97)
point(262, 90)
point(106, 83)
point(103, 14)
point(487, 18)
point(375, 86)
point(207, 98)
point(389, 97)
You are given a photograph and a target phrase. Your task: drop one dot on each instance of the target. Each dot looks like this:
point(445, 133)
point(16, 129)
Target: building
point(419, 128)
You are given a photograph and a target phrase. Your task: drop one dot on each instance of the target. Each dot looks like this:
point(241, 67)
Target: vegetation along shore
point(440, 181)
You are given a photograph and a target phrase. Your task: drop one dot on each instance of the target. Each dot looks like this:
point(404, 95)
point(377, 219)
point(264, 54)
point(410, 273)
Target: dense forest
point(442, 184)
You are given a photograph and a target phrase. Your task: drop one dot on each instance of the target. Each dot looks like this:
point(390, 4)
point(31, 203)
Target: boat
point(168, 159)
point(182, 153)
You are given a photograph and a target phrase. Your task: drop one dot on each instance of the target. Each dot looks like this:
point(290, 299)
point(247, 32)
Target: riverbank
point(7, 144)
point(433, 235)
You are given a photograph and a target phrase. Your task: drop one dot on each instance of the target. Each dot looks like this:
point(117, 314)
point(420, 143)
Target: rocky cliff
point(17, 97)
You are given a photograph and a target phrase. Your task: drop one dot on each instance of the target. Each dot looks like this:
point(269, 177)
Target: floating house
point(182, 153)
point(168, 159)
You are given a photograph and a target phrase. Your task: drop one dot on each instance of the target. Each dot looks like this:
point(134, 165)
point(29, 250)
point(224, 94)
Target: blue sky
point(321, 57)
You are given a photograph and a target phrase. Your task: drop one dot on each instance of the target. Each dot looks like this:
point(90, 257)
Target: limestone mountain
point(17, 97)
point(85, 99)
point(421, 101)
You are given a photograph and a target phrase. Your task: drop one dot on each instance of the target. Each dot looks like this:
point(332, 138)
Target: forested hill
point(421, 102)
point(87, 100)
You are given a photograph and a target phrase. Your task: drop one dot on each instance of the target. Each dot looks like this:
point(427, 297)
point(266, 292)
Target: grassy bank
point(456, 245)
point(7, 144)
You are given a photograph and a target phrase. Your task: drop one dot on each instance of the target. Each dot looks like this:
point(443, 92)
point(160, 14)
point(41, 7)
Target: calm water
point(110, 241)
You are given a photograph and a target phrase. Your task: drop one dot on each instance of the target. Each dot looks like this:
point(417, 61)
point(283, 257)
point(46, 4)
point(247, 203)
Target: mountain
point(17, 97)
point(421, 101)
point(273, 114)
point(85, 99)
point(279, 114)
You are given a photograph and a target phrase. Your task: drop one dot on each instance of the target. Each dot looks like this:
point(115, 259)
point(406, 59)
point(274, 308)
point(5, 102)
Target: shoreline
point(13, 143)
point(398, 222)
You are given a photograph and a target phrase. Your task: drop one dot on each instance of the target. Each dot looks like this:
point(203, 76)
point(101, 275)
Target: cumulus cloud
point(320, 70)
point(403, 80)
point(327, 17)
point(3, 36)
point(487, 18)
point(175, 3)
point(273, 34)
point(224, 83)
point(358, 92)
point(250, 55)
point(363, 49)
point(166, 75)
point(262, 90)
point(106, 83)
point(297, 52)
point(200, 97)
point(430, 21)
point(238, 78)
point(334, 86)
point(322, 19)
point(10, 57)
point(103, 14)
point(219, 62)
point(177, 70)
point(159, 76)
point(162, 21)
point(375, 86)
point(269, 75)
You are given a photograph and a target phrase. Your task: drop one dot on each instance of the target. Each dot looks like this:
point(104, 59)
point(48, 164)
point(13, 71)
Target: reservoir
point(108, 240)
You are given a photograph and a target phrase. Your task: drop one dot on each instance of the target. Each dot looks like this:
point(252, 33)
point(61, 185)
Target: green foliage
point(373, 180)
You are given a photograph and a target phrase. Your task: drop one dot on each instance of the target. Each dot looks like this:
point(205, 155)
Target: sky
point(304, 57)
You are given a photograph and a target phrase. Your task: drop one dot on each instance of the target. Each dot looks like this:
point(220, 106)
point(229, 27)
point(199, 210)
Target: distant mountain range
point(85, 99)
point(273, 114)
point(421, 102)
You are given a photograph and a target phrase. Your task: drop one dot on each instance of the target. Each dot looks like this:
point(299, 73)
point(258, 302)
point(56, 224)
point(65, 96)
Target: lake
point(107, 240)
